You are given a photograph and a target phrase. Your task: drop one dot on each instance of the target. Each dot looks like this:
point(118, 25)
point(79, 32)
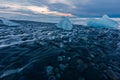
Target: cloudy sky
point(79, 8)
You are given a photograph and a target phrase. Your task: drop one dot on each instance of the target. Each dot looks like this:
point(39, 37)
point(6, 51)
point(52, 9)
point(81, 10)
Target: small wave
point(14, 43)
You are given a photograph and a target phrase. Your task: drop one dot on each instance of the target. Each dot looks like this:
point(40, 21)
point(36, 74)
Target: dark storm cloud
point(99, 8)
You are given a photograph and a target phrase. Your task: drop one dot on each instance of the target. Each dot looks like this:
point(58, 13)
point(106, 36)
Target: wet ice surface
point(40, 51)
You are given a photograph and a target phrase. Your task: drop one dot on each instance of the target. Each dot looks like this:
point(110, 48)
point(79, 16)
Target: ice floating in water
point(104, 22)
point(65, 24)
point(49, 70)
point(6, 22)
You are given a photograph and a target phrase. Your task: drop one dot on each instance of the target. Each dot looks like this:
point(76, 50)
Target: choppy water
point(40, 51)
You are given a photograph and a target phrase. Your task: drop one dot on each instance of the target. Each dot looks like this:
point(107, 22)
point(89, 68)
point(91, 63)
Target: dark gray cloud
point(99, 8)
point(84, 8)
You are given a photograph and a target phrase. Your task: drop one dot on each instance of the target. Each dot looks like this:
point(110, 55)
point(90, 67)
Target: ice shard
point(65, 24)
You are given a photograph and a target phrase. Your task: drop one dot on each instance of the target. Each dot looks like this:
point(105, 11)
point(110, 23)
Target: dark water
point(54, 54)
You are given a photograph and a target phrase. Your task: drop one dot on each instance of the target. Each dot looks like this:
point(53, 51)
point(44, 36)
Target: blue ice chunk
point(65, 24)
point(104, 22)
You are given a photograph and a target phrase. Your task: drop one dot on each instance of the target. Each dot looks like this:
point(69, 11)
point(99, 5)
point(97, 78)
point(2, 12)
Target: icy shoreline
point(33, 31)
point(57, 53)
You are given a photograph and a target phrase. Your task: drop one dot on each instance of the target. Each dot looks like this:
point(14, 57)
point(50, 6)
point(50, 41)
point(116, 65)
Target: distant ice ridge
point(104, 22)
point(65, 24)
point(4, 21)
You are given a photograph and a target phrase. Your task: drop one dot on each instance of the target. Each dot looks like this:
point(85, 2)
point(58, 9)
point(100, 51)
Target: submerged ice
point(104, 22)
point(65, 24)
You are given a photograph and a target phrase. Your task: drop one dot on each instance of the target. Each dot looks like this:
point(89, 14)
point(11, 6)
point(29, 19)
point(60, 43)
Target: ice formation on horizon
point(4, 21)
point(104, 22)
point(65, 24)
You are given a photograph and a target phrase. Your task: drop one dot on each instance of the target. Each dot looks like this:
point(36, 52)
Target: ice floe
point(104, 22)
point(4, 21)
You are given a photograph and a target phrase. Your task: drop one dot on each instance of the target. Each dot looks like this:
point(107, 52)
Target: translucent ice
point(65, 24)
point(6, 22)
point(104, 22)
point(49, 70)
